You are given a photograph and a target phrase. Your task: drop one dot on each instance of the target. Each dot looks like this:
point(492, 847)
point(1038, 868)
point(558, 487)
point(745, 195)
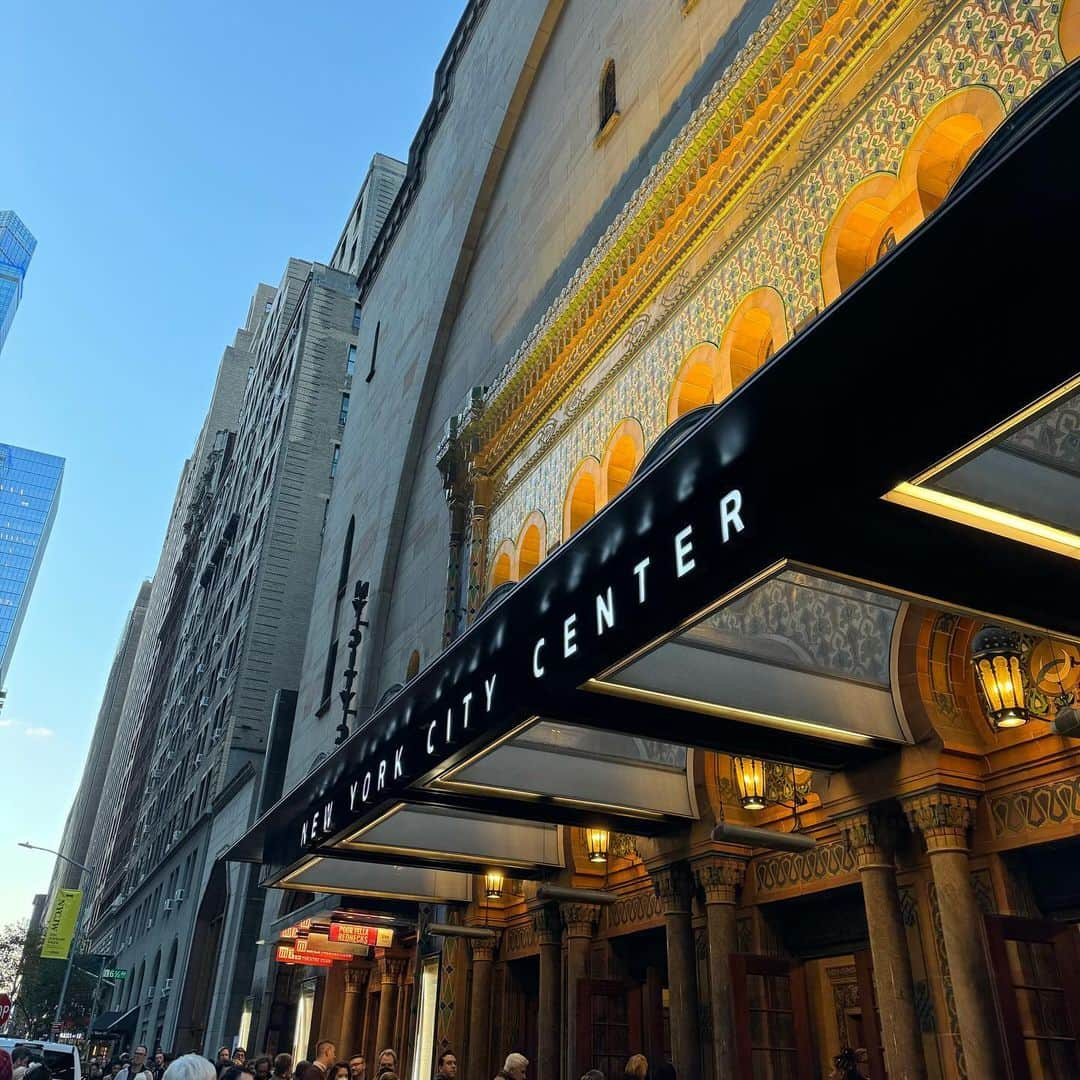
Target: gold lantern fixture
point(493, 884)
point(750, 782)
point(597, 842)
point(995, 654)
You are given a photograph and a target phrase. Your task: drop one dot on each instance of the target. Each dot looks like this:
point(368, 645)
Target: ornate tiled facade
point(1006, 50)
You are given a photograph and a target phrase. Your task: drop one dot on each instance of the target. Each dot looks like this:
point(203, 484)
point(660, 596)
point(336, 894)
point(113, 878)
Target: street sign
point(114, 973)
point(5, 1009)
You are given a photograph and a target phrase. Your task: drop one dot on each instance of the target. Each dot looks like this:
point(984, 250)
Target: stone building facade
point(600, 239)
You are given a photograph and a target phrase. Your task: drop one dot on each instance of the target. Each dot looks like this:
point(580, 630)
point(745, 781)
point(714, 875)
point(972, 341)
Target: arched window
point(756, 330)
point(582, 497)
point(695, 384)
point(532, 544)
point(625, 449)
point(1069, 30)
point(413, 668)
point(502, 565)
point(868, 223)
point(608, 104)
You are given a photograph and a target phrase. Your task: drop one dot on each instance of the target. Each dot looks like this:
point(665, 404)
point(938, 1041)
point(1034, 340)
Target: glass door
point(1036, 972)
point(772, 1032)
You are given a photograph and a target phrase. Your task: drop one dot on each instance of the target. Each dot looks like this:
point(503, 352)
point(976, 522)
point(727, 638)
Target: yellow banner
point(61, 926)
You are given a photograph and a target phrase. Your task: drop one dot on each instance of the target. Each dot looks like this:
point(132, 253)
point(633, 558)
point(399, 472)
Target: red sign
point(286, 954)
point(350, 934)
point(5, 1009)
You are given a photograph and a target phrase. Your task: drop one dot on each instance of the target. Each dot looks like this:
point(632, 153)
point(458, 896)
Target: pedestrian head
point(262, 1066)
point(357, 1067)
point(283, 1065)
point(325, 1053)
point(447, 1065)
point(239, 1055)
point(301, 1069)
point(224, 1053)
point(190, 1067)
point(593, 1074)
point(637, 1068)
point(387, 1060)
point(339, 1071)
point(516, 1066)
point(236, 1072)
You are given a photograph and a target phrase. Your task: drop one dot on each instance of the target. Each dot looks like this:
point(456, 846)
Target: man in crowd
point(262, 1067)
point(239, 1056)
point(136, 1066)
point(325, 1056)
point(447, 1066)
point(515, 1067)
point(387, 1062)
point(357, 1067)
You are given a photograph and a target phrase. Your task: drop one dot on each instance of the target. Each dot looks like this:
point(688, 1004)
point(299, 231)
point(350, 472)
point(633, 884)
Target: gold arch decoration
point(697, 382)
point(531, 548)
point(582, 496)
point(622, 455)
point(502, 565)
point(1069, 30)
point(757, 328)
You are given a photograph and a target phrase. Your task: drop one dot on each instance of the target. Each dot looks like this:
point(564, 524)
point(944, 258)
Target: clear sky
point(168, 156)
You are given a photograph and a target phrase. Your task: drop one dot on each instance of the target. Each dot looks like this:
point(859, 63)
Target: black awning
point(941, 342)
point(115, 1023)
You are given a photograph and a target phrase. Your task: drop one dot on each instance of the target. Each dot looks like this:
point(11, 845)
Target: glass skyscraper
point(29, 492)
point(16, 249)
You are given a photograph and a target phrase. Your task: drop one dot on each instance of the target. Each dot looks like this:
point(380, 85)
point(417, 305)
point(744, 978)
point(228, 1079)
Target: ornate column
point(548, 930)
point(355, 987)
point(580, 922)
point(720, 877)
point(672, 885)
point(871, 836)
point(943, 816)
point(483, 957)
point(391, 968)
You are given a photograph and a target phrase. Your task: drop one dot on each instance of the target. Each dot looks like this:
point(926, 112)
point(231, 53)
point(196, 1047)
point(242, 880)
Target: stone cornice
point(718, 157)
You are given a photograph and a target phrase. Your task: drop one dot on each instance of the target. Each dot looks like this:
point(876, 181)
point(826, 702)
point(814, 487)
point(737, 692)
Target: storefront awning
point(794, 485)
point(116, 1023)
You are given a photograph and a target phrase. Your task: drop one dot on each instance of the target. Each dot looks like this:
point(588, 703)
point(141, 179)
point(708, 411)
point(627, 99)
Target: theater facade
point(750, 730)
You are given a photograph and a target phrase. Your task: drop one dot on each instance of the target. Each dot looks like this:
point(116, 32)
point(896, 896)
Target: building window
point(344, 414)
point(352, 254)
point(350, 361)
point(608, 108)
point(356, 318)
point(269, 305)
point(334, 460)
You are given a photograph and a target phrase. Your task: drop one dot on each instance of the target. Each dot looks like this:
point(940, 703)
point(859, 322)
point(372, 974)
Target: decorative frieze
point(776, 872)
point(1034, 809)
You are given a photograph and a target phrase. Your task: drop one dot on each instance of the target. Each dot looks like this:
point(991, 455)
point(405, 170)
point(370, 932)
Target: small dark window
point(356, 315)
point(350, 361)
point(343, 415)
point(607, 94)
point(352, 254)
point(334, 460)
point(374, 353)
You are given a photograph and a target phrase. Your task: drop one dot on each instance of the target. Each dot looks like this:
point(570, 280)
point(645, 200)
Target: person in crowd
point(357, 1067)
point(262, 1066)
point(301, 1069)
point(160, 1063)
point(114, 1068)
point(593, 1074)
point(339, 1070)
point(235, 1072)
point(637, 1068)
point(191, 1067)
point(447, 1066)
point(325, 1056)
point(283, 1067)
point(6, 1068)
point(239, 1056)
point(845, 1066)
point(20, 1059)
point(387, 1062)
point(135, 1066)
point(516, 1067)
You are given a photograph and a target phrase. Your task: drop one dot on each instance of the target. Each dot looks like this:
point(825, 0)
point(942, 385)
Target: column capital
point(719, 877)
point(871, 835)
point(391, 969)
point(484, 948)
point(579, 919)
point(355, 979)
point(546, 922)
point(672, 885)
point(943, 816)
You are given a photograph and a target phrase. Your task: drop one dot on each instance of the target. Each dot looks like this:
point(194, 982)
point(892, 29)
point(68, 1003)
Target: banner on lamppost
point(60, 928)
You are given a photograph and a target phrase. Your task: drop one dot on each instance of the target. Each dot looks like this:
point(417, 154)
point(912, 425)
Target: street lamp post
point(78, 921)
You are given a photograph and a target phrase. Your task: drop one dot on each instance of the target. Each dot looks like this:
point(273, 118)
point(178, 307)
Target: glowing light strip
point(783, 723)
point(288, 882)
point(588, 804)
point(987, 518)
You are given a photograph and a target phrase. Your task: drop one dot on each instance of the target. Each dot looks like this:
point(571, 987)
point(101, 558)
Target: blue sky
point(168, 157)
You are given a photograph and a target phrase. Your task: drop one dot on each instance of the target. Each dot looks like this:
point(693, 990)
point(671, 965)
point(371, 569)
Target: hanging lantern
point(493, 884)
point(995, 653)
point(596, 844)
point(750, 782)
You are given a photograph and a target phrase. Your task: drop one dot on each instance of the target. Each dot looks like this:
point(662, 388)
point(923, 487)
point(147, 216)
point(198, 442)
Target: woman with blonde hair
point(637, 1068)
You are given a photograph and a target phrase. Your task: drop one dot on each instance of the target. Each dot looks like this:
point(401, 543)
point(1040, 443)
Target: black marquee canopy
point(887, 450)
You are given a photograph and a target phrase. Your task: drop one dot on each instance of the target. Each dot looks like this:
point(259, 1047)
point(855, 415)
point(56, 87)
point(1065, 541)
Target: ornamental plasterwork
point(983, 42)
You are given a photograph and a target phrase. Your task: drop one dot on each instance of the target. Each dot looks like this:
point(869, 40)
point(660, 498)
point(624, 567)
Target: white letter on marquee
point(538, 669)
point(465, 701)
point(430, 729)
point(449, 720)
point(352, 794)
point(684, 560)
point(382, 775)
point(365, 794)
point(730, 516)
point(640, 571)
point(489, 690)
point(568, 634)
point(399, 769)
point(328, 817)
point(605, 612)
